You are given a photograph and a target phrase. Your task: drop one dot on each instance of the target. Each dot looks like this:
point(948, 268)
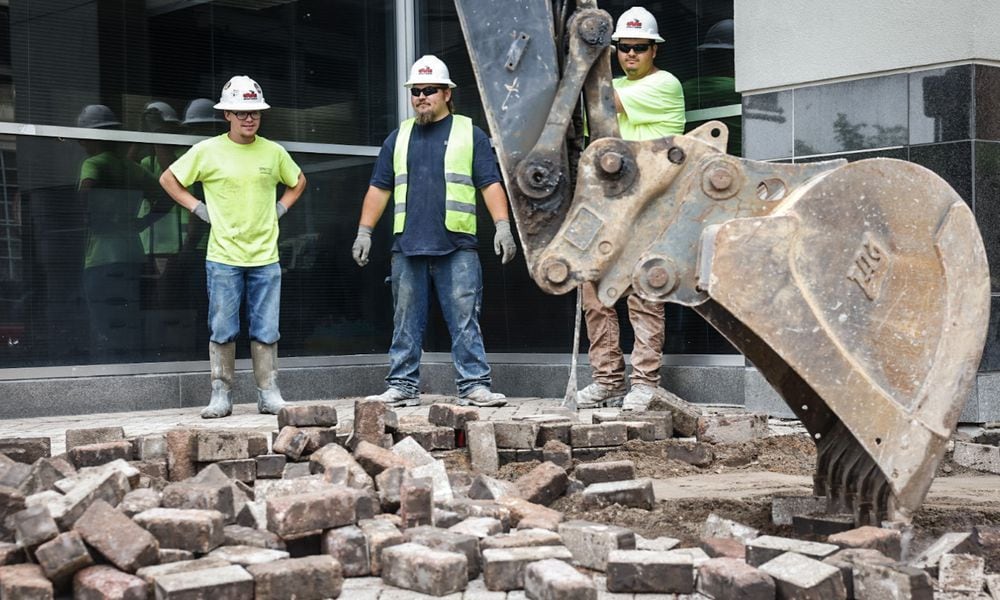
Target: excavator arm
point(859, 291)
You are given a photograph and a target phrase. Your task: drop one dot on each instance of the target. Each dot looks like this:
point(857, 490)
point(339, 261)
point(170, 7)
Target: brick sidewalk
point(244, 416)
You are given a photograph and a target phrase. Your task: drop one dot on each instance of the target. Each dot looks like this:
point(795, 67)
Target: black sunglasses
point(626, 48)
point(426, 91)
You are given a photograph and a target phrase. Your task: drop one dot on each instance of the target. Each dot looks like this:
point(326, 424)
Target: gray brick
point(220, 444)
point(635, 493)
point(421, 569)
point(768, 547)
point(503, 569)
point(553, 579)
point(349, 546)
point(222, 583)
point(798, 576)
point(481, 441)
point(591, 543)
point(93, 435)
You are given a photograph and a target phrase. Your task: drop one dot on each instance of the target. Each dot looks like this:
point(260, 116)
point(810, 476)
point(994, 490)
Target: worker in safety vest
point(432, 166)
point(650, 105)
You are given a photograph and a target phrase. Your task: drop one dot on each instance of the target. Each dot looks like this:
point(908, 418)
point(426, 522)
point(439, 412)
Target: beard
point(423, 118)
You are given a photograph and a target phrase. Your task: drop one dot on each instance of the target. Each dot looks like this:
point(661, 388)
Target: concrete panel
point(782, 44)
point(86, 395)
point(761, 397)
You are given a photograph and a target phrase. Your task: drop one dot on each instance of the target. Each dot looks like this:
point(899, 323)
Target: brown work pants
point(606, 360)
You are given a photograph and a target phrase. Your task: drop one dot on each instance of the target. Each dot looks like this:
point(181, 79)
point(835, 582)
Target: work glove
point(503, 242)
point(280, 208)
point(201, 211)
point(362, 245)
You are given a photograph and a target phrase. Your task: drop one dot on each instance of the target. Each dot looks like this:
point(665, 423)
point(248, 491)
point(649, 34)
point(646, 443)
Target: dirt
point(956, 502)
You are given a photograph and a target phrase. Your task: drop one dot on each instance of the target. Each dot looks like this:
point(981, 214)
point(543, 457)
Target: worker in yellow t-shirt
point(240, 171)
point(650, 105)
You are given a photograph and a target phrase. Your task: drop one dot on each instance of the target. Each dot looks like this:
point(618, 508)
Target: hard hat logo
point(249, 95)
point(426, 71)
point(634, 24)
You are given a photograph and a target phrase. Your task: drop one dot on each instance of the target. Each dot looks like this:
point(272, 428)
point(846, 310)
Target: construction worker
point(432, 166)
point(239, 171)
point(650, 105)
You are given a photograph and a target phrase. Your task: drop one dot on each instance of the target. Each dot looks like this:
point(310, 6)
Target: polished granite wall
point(947, 120)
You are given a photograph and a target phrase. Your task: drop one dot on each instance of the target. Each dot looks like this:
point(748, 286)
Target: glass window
point(326, 68)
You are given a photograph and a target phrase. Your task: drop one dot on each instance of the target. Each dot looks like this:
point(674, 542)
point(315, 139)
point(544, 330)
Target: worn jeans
point(228, 285)
point(458, 283)
point(605, 352)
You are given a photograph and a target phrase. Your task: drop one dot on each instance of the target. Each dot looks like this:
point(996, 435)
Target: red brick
point(375, 459)
point(314, 512)
point(102, 582)
point(602, 472)
point(63, 556)
point(370, 421)
point(24, 582)
point(733, 578)
point(416, 501)
point(93, 455)
point(451, 415)
point(125, 544)
point(182, 450)
point(421, 569)
point(311, 415)
point(93, 435)
point(643, 571)
point(349, 547)
point(291, 442)
point(201, 496)
point(26, 449)
point(543, 484)
point(306, 577)
point(886, 541)
point(185, 529)
point(528, 515)
point(221, 583)
point(719, 547)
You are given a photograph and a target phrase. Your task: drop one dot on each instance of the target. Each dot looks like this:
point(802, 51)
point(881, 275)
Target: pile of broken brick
point(366, 508)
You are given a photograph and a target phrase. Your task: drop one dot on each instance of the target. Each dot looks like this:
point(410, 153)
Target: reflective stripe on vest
point(460, 193)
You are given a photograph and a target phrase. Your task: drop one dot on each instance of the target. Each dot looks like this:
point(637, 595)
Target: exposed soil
point(957, 507)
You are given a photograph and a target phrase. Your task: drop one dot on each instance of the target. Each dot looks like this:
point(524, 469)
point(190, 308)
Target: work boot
point(396, 397)
point(639, 397)
point(482, 397)
point(265, 371)
point(598, 395)
point(223, 360)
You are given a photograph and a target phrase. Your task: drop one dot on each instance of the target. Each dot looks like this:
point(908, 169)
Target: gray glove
point(362, 245)
point(503, 242)
point(280, 208)
point(201, 211)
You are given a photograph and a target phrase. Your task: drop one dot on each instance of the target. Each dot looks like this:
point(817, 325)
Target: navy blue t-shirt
point(424, 233)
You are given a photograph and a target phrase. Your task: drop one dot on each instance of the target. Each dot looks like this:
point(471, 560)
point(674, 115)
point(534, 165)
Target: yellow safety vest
point(460, 193)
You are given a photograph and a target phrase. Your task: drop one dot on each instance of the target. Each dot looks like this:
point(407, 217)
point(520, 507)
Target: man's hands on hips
point(503, 242)
point(201, 211)
point(362, 245)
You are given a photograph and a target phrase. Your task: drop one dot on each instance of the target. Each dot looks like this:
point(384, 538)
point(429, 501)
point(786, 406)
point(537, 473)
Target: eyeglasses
point(241, 115)
point(639, 48)
point(426, 91)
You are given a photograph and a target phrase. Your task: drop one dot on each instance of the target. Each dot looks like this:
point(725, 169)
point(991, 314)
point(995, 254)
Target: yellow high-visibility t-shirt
point(239, 182)
point(654, 106)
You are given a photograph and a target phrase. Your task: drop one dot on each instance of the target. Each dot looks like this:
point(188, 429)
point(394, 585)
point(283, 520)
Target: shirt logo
point(634, 24)
point(263, 170)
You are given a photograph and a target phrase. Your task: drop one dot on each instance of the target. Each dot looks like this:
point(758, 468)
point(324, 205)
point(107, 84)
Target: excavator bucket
point(859, 291)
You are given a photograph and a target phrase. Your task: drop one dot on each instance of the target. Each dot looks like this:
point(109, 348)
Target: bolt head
point(557, 271)
point(720, 178)
point(658, 277)
point(611, 163)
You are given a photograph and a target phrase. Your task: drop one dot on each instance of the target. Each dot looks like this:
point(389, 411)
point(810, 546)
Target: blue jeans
point(458, 281)
point(228, 285)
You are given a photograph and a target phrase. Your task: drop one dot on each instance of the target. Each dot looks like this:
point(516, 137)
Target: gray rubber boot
point(265, 371)
point(223, 360)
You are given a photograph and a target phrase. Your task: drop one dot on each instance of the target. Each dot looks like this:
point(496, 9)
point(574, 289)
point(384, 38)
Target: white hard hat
point(241, 93)
point(97, 116)
point(167, 112)
point(200, 110)
point(429, 69)
point(637, 23)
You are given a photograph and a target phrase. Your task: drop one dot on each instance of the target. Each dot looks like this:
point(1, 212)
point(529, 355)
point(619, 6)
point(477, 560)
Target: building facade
point(102, 300)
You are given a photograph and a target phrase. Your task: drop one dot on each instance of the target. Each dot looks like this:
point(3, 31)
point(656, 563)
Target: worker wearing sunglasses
point(650, 105)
